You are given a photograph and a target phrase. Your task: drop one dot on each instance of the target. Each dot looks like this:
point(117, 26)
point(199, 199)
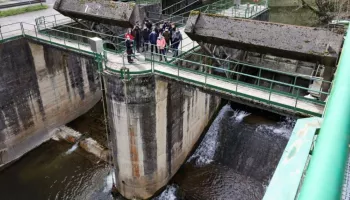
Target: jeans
point(154, 46)
point(162, 52)
point(129, 52)
point(176, 49)
point(145, 44)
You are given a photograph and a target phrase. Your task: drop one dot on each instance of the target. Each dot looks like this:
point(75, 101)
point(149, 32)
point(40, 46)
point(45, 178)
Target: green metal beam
point(325, 174)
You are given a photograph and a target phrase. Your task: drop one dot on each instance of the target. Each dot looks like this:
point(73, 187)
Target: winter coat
point(128, 44)
point(136, 34)
point(177, 37)
point(149, 25)
point(166, 35)
point(130, 36)
point(153, 37)
point(145, 34)
point(161, 43)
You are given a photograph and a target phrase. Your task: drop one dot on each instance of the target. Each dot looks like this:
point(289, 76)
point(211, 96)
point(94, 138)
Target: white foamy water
point(206, 150)
point(168, 194)
point(72, 149)
point(283, 128)
point(239, 115)
point(109, 182)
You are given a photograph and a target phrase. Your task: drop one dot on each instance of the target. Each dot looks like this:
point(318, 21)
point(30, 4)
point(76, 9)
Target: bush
point(17, 11)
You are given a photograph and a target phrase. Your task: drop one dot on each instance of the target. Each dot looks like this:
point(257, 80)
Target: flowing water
point(235, 160)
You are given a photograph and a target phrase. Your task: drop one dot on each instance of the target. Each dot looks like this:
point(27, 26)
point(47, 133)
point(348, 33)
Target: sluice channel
point(235, 160)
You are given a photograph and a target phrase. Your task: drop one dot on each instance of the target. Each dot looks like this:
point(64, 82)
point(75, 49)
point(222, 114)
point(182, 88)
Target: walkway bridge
point(196, 68)
point(191, 66)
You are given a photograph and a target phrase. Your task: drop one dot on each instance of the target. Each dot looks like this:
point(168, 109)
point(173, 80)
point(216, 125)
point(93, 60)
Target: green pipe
point(325, 173)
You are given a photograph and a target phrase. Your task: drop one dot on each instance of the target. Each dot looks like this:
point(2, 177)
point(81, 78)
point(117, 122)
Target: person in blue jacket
point(153, 40)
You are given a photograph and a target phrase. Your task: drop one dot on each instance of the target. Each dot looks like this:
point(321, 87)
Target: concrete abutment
point(154, 124)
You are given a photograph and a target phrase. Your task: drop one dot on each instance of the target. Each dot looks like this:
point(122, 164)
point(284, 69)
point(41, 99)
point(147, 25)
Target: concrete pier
point(154, 124)
point(41, 88)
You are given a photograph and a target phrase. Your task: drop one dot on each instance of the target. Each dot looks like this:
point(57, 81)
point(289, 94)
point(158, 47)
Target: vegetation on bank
point(16, 11)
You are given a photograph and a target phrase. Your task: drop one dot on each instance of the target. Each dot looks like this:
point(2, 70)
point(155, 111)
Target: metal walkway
point(199, 74)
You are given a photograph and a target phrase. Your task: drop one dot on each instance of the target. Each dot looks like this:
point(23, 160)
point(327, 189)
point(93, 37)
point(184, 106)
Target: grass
point(16, 11)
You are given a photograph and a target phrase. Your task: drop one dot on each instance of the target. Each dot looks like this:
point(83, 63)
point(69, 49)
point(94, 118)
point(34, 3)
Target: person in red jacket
point(129, 33)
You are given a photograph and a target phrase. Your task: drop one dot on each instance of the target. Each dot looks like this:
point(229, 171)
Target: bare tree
point(327, 10)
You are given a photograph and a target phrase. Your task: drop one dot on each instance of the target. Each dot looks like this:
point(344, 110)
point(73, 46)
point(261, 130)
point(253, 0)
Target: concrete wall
point(154, 124)
point(41, 87)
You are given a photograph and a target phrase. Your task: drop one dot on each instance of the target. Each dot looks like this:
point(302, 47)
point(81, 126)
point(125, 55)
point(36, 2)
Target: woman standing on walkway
point(161, 46)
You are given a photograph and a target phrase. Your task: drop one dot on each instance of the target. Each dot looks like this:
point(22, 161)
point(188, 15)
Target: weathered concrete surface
point(41, 88)
point(123, 14)
point(154, 123)
point(295, 42)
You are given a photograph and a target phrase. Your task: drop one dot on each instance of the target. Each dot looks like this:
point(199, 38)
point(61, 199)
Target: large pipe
point(325, 173)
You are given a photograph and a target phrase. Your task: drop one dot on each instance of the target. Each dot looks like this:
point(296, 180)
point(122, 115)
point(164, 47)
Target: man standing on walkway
point(145, 36)
point(129, 44)
point(153, 40)
point(167, 37)
point(176, 39)
point(137, 36)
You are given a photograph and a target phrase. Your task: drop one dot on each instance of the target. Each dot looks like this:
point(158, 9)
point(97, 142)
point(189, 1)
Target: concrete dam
point(156, 110)
point(42, 88)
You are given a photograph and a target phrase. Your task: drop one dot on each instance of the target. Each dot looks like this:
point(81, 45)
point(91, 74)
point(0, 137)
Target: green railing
point(147, 1)
point(325, 173)
point(22, 29)
point(198, 65)
point(206, 71)
point(51, 21)
point(227, 8)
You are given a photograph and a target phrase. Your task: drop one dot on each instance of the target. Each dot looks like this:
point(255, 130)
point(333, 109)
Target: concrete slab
point(123, 14)
point(288, 41)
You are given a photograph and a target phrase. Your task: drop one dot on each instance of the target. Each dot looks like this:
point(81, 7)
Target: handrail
point(260, 67)
point(173, 5)
point(174, 63)
point(325, 173)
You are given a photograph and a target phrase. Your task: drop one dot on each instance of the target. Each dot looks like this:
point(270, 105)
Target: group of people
point(163, 37)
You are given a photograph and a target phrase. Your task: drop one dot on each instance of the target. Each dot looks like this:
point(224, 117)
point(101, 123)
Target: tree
point(327, 10)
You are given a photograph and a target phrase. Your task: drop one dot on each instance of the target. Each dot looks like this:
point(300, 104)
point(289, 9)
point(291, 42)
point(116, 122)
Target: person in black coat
point(137, 35)
point(148, 24)
point(128, 45)
point(145, 36)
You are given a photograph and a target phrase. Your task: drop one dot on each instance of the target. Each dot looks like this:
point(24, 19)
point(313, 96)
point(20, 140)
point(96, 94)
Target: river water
point(235, 159)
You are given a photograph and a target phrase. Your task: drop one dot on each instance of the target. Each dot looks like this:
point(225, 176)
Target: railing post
point(270, 91)
point(55, 20)
point(36, 32)
point(206, 77)
point(236, 82)
point(295, 82)
point(123, 60)
point(22, 29)
point(296, 100)
point(1, 34)
point(259, 76)
point(152, 62)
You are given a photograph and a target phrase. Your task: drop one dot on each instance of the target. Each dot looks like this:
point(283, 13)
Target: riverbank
point(21, 10)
